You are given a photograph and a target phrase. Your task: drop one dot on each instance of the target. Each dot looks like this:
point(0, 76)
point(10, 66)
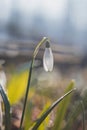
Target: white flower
point(48, 60)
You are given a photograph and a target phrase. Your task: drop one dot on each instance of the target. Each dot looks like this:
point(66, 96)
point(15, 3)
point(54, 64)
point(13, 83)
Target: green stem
point(7, 108)
point(26, 94)
point(38, 46)
point(42, 118)
point(29, 77)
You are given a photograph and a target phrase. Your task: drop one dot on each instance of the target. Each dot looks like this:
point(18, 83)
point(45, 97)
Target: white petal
point(48, 59)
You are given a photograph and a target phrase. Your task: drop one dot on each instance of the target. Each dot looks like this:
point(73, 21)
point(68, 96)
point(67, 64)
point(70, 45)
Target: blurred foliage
point(16, 89)
point(16, 86)
point(62, 108)
point(43, 126)
point(76, 111)
point(28, 114)
point(48, 111)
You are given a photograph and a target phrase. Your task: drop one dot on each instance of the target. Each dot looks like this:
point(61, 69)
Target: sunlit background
point(23, 23)
point(63, 21)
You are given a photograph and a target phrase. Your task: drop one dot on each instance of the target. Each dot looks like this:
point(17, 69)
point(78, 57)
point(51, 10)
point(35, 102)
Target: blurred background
point(23, 23)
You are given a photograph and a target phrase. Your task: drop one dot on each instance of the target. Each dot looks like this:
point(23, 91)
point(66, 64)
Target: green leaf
point(45, 123)
point(48, 111)
point(7, 108)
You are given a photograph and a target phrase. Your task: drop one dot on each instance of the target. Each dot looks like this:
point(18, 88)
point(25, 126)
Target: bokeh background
point(63, 21)
point(23, 23)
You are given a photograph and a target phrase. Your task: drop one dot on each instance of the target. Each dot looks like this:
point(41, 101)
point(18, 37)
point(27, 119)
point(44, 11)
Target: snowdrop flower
point(48, 60)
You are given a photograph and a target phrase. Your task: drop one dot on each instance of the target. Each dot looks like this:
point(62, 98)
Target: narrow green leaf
point(42, 118)
point(7, 108)
point(44, 124)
